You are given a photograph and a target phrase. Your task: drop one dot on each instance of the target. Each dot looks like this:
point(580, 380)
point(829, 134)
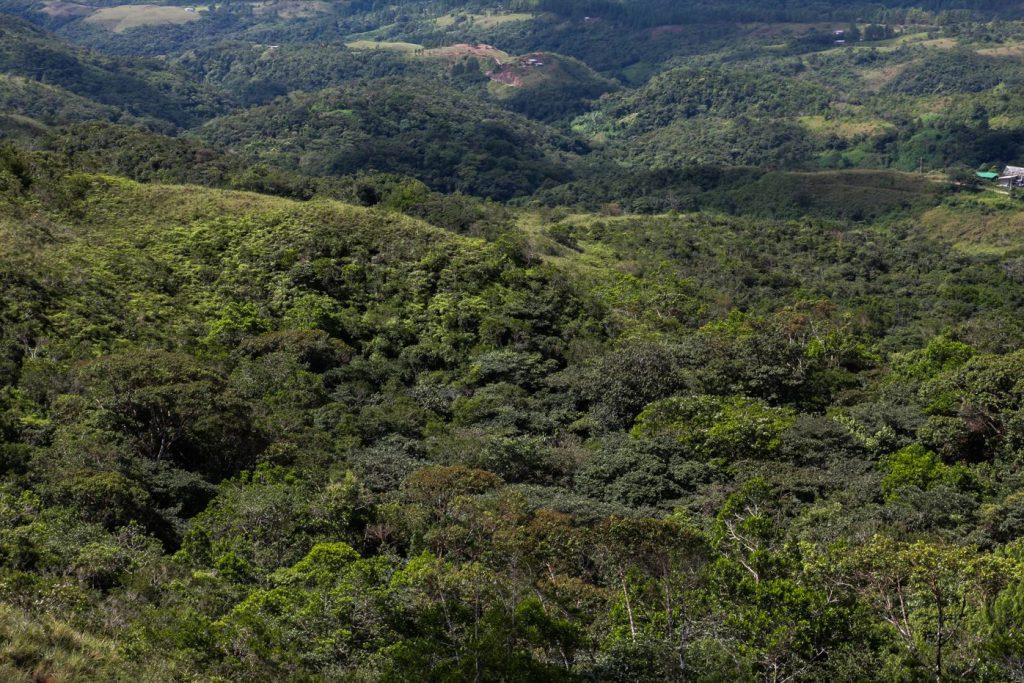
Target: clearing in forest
point(846, 128)
point(480, 20)
point(460, 50)
point(292, 9)
point(123, 17)
point(876, 79)
point(1008, 50)
point(987, 223)
point(395, 46)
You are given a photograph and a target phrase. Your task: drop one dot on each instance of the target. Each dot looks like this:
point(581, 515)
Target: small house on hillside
point(1012, 176)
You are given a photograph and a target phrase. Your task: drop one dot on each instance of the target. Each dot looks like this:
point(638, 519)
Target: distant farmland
point(123, 17)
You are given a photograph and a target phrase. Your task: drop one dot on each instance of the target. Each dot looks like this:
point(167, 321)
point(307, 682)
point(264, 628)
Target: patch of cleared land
point(939, 43)
point(481, 20)
point(123, 17)
point(905, 38)
point(395, 46)
point(936, 106)
point(523, 71)
point(845, 128)
point(449, 52)
point(480, 51)
point(893, 44)
point(1012, 50)
point(877, 78)
point(990, 223)
point(292, 9)
point(881, 46)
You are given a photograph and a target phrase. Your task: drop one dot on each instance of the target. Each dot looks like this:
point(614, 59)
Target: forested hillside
point(447, 139)
point(549, 340)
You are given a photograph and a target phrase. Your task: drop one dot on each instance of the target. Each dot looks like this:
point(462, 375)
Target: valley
point(542, 340)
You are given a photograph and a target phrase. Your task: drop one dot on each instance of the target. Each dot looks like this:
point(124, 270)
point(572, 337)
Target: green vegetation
point(139, 88)
point(560, 340)
point(304, 430)
point(382, 45)
point(448, 139)
point(44, 104)
point(546, 86)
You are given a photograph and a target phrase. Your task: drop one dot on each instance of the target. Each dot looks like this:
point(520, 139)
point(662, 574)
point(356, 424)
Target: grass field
point(893, 44)
point(383, 45)
point(1011, 50)
point(847, 129)
point(292, 9)
point(123, 17)
point(875, 79)
point(987, 223)
point(940, 43)
point(481, 20)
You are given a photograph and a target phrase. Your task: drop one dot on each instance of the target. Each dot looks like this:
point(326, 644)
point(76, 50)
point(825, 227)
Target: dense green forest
point(545, 340)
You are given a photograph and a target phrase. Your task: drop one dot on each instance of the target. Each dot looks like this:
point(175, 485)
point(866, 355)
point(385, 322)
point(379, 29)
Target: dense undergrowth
point(245, 436)
point(566, 340)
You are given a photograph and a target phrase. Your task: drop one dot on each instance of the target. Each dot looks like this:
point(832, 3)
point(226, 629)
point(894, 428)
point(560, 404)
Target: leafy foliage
point(448, 140)
point(345, 342)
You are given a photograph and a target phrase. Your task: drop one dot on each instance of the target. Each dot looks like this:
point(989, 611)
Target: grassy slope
point(986, 223)
point(124, 17)
point(36, 647)
point(383, 45)
point(157, 262)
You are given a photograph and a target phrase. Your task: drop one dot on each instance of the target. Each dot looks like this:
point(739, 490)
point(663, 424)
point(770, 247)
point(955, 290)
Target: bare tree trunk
point(629, 608)
point(682, 653)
